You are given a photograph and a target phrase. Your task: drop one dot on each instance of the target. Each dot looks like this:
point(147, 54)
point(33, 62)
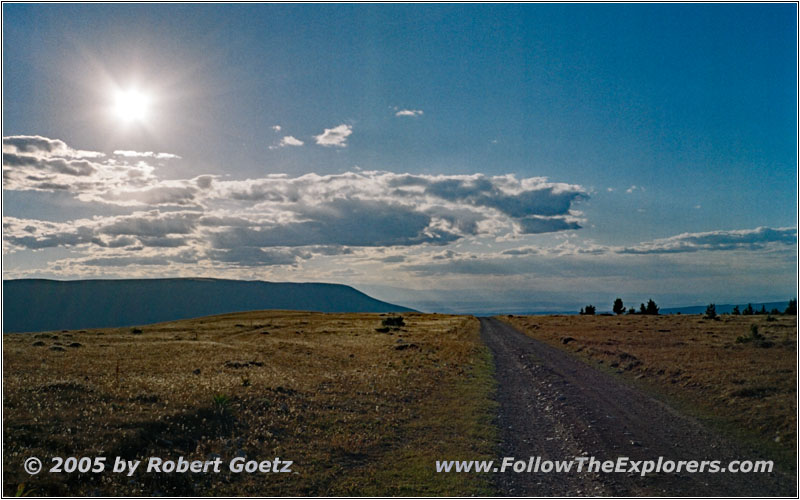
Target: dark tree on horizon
point(618, 308)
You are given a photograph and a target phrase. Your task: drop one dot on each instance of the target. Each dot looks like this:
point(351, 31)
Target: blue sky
point(478, 157)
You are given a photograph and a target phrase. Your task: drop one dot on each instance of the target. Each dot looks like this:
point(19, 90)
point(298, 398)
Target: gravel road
point(556, 407)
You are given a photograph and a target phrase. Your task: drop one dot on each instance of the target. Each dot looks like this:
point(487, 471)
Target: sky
point(451, 158)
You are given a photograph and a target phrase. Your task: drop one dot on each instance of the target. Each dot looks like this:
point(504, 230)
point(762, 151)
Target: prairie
point(361, 408)
point(710, 369)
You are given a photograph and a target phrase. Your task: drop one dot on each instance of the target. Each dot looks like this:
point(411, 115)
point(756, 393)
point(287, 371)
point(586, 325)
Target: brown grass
point(360, 412)
point(741, 388)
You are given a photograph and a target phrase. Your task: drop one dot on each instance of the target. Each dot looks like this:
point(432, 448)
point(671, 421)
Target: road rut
point(553, 406)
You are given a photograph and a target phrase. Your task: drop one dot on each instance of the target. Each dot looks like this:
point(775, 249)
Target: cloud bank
point(271, 219)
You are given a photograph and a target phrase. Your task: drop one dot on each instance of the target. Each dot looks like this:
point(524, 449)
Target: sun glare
point(131, 106)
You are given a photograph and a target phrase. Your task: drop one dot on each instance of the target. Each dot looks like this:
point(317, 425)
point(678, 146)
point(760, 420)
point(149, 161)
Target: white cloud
point(38, 146)
point(327, 213)
point(409, 112)
point(290, 141)
point(146, 154)
point(276, 128)
point(742, 239)
point(336, 136)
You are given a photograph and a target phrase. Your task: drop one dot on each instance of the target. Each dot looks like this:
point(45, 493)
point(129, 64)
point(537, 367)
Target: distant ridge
point(31, 305)
point(726, 308)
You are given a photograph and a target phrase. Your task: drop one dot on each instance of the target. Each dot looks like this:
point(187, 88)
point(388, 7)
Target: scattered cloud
point(335, 137)
point(290, 141)
point(313, 213)
point(634, 188)
point(414, 113)
point(744, 239)
point(146, 154)
point(368, 217)
point(38, 146)
point(276, 128)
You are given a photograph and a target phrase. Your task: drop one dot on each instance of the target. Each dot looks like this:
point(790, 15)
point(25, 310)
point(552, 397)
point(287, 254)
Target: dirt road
point(556, 407)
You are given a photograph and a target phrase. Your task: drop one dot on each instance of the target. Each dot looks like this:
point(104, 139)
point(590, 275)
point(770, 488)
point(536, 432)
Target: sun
point(131, 106)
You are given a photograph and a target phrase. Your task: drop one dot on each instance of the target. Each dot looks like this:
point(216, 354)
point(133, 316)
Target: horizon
point(495, 157)
point(478, 312)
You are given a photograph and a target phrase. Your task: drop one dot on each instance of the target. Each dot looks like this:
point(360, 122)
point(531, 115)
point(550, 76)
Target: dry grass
point(747, 389)
point(360, 412)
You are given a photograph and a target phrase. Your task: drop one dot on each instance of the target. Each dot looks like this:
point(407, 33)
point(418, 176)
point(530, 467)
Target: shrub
point(222, 403)
point(396, 321)
point(618, 308)
point(588, 310)
point(711, 312)
point(755, 337)
point(748, 311)
point(736, 311)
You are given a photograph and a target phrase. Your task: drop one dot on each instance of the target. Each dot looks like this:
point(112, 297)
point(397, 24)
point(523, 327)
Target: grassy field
point(361, 409)
point(715, 370)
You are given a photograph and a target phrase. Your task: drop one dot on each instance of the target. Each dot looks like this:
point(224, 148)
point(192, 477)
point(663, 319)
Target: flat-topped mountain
point(37, 305)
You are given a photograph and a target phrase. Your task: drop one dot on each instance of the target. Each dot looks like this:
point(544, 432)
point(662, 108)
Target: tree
point(618, 307)
point(652, 308)
point(791, 308)
point(588, 310)
point(711, 312)
point(642, 309)
point(749, 311)
point(735, 311)
point(763, 309)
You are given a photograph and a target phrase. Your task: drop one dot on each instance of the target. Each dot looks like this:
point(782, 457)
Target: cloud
point(290, 141)
point(252, 256)
point(340, 222)
point(743, 239)
point(146, 154)
point(276, 128)
point(634, 188)
point(39, 146)
point(409, 112)
point(312, 213)
point(336, 136)
point(538, 225)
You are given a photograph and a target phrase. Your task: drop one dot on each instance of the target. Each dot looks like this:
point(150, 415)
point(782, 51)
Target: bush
point(711, 312)
point(651, 308)
point(393, 321)
point(736, 311)
point(588, 310)
point(755, 337)
point(749, 311)
point(618, 308)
